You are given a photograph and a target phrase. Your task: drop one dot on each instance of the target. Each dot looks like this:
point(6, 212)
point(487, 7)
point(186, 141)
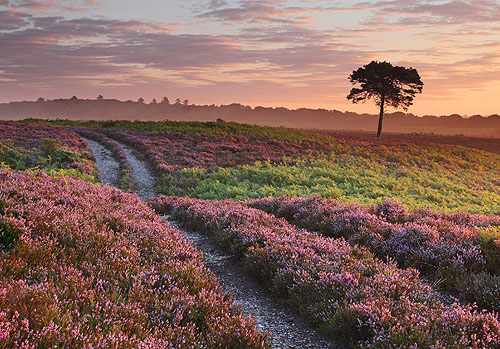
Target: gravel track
point(286, 328)
point(107, 166)
point(143, 180)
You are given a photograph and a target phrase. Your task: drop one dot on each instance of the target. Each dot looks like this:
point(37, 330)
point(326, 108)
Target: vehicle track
point(143, 180)
point(107, 166)
point(286, 328)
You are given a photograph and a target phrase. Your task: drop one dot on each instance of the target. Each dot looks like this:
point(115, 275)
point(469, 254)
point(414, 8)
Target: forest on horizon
point(112, 109)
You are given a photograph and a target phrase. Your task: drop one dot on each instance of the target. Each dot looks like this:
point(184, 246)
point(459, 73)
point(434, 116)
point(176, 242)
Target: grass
point(196, 127)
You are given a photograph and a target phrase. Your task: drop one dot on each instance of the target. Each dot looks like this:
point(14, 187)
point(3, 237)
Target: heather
point(89, 266)
point(344, 290)
point(174, 153)
point(220, 128)
point(59, 152)
point(218, 160)
point(458, 251)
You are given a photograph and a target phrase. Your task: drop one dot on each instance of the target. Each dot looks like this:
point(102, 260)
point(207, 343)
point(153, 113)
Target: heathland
point(391, 242)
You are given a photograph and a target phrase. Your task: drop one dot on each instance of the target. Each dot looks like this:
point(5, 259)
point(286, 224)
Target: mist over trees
point(107, 109)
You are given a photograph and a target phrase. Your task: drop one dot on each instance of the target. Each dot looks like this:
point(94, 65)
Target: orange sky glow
point(288, 53)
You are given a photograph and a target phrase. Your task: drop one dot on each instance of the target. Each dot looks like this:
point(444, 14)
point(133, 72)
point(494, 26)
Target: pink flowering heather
point(208, 150)
point(447, 247)
point(86, 266)
point(26, 136)
point(171, 152)
point(344, 290)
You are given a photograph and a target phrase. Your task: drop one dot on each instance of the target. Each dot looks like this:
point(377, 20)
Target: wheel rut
point(285, 327)
point(143, 180)
point(107, 166)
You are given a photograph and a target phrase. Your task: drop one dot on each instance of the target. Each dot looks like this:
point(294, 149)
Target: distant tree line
point(85, 109)
point(140, 100)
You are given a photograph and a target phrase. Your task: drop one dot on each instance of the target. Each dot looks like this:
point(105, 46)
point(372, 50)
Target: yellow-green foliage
point(442, 177)
point(355, 169)
point(491, 233)
point(56, 160)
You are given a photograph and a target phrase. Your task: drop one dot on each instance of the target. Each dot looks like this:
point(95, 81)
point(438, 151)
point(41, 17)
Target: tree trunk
point(379, 131)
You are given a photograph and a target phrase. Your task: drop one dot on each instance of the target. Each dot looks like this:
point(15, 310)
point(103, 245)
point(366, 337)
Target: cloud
point(10, 20)
point(247, 11)
point(411, 12)
point(215, 4)
point(255, 11)
point(31, 4)
point(47, 49)
point(276, 44)
point(59, 52)
point(50, 6)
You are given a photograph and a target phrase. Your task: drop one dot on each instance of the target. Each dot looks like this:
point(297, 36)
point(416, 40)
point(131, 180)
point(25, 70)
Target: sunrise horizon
point(292, 54)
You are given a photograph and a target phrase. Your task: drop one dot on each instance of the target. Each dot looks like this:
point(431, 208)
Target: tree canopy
point(387, 85)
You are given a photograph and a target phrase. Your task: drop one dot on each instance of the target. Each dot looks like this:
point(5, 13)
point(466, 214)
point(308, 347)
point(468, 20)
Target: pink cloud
point(11, 20)
point(32, 4)
point(51, 5)
point(411, 12)
point(253, 11)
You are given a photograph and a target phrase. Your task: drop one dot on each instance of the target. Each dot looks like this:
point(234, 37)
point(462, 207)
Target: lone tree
point(388, 85)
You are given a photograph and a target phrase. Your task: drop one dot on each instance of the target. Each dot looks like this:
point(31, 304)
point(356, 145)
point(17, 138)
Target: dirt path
point(287, 328)
point(107, 166)
point(143, 180)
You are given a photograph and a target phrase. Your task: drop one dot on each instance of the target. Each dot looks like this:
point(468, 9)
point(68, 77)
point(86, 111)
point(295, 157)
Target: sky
point(278, 53)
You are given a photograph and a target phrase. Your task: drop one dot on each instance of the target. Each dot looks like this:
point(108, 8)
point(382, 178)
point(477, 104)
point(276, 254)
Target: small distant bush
point(50, 145)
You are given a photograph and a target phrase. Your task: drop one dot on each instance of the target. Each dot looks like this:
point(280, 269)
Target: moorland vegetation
point(373, 241)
